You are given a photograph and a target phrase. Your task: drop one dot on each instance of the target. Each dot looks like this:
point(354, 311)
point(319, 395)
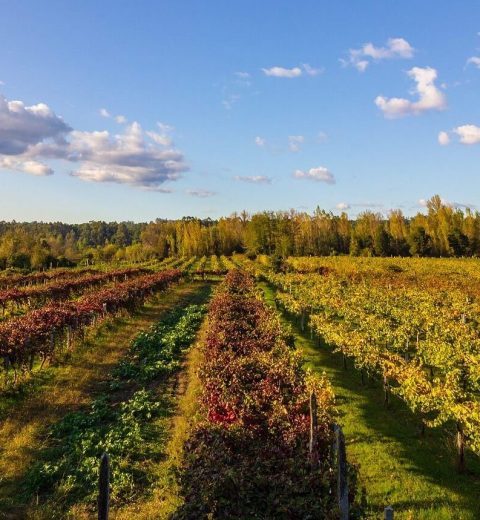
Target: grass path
point(396, 466)
point(165, 498)
point(67, 387)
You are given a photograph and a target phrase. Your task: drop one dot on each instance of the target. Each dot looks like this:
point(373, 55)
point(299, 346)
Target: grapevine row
point(250, 451)
point(426, 347)
point(40, 332)
point(61, 290)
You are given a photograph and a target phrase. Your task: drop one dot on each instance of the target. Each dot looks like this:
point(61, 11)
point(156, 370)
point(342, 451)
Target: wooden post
point(104, 488)
point(313, 445)
point(69, 337)
point(388, 513)
point(342, 481)
point(385, 390)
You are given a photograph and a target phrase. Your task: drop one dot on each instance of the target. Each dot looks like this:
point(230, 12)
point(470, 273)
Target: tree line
point(441, 231)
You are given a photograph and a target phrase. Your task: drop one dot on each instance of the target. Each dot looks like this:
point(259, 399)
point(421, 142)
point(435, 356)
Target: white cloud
point(443, 138)
point(430, 96)
point(121, 120)
point(201, 193)
point(26, 166)
point(311, 71)
point(294, 142)
point(125, 158)
point(294, 72)
point(24, 126)
point(319, 174)
point(396, 48)
point(474, 60)
point(162, 138)
point(254, 179)
point(281, 72)
point(260, 141)
point(30, 135)
point(242, 75)
point(469, 134)
point(343, 206)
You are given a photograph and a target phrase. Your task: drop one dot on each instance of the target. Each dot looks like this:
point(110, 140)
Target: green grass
point(397, 467)
point(68, 386)
point(130, 420)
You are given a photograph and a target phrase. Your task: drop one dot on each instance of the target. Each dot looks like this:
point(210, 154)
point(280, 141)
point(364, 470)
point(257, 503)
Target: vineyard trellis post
point(104, 488)
point(342, 477)
point(388, 513)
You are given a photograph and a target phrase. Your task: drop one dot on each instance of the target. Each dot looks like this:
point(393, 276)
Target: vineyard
point(218, 385)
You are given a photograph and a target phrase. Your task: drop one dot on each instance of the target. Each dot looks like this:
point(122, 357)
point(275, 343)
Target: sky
point(123, 110)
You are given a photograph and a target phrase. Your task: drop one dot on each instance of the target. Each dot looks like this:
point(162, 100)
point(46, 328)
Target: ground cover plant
point(118, 422)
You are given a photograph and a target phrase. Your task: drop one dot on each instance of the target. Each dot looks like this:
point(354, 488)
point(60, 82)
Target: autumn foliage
point(249, 457)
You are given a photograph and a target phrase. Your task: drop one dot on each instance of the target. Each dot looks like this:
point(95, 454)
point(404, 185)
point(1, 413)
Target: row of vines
point(40, 333)
point(249, 452)
point(423, 341)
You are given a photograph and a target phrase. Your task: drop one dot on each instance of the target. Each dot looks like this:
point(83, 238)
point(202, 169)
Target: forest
point(442, 231)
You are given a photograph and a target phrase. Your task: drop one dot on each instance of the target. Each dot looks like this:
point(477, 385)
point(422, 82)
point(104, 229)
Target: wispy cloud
point(230, 101)
point(295, 142)
point(260, 141)
point(311, 71)
point(368, 205)
point(430, 97)
point(294, 72)
point(318, 174)
point(254, 179)
point(120, 119)
point(443, 138)
point(282, 72)
point(474, 60)
point(202, 194)
point(423, 203)
point(322, 137)
point(361, 58)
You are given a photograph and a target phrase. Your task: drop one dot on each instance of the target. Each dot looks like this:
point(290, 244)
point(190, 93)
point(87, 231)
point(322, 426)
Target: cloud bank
point(31, 135)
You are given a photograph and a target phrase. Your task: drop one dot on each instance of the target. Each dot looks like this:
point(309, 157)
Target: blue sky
point(213, 107)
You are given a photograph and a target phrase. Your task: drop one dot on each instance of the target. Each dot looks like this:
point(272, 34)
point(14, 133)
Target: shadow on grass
point(399, 467)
